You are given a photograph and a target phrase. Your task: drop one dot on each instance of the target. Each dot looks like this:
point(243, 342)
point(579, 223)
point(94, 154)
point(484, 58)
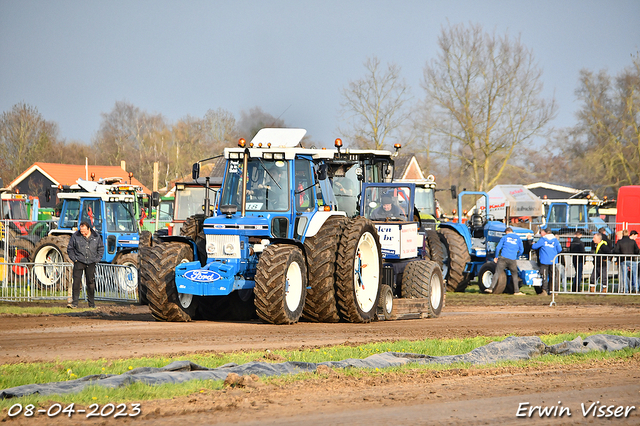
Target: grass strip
point(27, 373)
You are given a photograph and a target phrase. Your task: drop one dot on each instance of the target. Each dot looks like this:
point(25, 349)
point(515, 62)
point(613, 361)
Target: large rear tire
point(456, 261)
point(157, 275)
point(320, 305)
point(192, 227)
point(47, 255)
point(280, 284)
point(423, 280)
point(436, 252)
point(358, 271)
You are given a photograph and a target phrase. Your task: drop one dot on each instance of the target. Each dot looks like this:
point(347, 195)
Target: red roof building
point(42, 176)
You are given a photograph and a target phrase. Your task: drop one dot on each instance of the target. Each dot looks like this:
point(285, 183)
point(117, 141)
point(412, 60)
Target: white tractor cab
point(280, 245)
point(407, 270)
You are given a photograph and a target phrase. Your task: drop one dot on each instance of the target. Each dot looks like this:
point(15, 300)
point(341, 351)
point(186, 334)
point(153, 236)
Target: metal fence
point(27, 282)
point(604, 274)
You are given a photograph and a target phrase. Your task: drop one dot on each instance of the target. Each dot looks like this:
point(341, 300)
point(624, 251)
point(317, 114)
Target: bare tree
point(25, 137)
point(485, 92)
point(375, 106)
point(607, 148)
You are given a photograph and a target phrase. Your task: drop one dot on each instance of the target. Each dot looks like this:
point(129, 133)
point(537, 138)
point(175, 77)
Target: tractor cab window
point(189, 201)
point(346, 190)
point(303, 185)
point(165, 210)
point(14, 209)
point(384, 203)
point(576, 214)
point(558, 213)
point(426, 202)
point(267, 185)
point(92, 214)
point(70, 215)
point(121, 217)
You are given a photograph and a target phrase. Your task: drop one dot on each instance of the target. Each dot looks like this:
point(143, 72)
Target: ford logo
point(202, 275)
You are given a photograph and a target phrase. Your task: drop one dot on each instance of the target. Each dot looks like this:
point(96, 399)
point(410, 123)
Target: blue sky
point(74, 59)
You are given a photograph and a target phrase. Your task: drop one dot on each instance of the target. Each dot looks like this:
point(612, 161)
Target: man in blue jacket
point(507, 253)
point(549, 248)
point(85, 249)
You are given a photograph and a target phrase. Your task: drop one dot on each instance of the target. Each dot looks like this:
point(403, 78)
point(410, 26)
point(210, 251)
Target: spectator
point(549, 248)
point(628, 247)
point(578, 249)
point(85, 249)
point(509, 249)
point(600, 270)
point(605, 237)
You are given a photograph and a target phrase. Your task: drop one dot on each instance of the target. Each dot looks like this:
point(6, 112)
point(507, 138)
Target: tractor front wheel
point(280, 284)
point(157, 276)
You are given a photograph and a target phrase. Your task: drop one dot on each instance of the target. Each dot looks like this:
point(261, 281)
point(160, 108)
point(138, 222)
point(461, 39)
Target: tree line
point(480, 119)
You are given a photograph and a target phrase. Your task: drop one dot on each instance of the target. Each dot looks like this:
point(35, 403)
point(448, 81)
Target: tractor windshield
point(14, 209)
point(387, 203)
point(120, 217)
point(165, 210)
point(425, 202)
point(267, 185)
point(189, 201)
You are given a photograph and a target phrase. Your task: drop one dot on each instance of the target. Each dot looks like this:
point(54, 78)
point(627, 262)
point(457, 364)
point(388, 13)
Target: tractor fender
point(198, 255)
point(461, 229)
point(318, 219)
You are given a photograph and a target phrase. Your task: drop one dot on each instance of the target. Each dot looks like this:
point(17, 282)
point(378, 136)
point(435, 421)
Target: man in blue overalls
point(509, 249)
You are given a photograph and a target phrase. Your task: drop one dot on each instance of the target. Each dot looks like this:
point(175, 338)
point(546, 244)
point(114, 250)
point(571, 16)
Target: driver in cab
point(388, 210)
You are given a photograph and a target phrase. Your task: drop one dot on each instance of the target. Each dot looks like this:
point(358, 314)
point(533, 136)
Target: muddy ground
point(458, 397)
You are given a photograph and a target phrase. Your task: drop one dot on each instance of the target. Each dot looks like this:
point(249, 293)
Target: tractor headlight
point(229, 249)
point(212, 249)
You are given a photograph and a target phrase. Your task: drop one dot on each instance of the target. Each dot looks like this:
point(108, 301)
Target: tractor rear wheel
point(456, 261)
point(192, 227)
point(280, 284)
point(358, 271)
point(157, 275)
point(145, 239)
point(436, 253)
point(423, 280)
point(128, 277)
point(48, 254)
point(320, 249)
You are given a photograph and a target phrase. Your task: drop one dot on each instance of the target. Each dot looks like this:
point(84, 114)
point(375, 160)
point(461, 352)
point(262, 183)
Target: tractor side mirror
point(454, 192)
point(322, 172)
point(1, 183)
point(195, 171)
point(155, 199)
point(47, 194)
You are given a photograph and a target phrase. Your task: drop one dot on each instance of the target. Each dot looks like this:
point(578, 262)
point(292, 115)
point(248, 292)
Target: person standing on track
point(509, 249)
point(549, 248)
point(85, 249)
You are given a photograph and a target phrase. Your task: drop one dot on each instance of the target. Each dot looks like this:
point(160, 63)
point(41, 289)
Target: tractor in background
point(111, 209)
point(471, 247)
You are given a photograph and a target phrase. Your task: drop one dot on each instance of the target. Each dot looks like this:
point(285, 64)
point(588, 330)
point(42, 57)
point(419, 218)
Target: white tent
point(520, 200)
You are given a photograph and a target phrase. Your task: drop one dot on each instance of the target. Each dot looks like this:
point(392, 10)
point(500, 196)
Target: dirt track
point(119, 332)
point(458, 397)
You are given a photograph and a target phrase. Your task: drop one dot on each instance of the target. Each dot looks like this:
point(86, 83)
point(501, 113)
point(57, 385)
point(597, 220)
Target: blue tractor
point(279, 246)
point(470, 249)
point(110, 208)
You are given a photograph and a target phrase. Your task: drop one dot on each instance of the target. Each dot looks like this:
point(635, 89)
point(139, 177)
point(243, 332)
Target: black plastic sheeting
point(510, 349)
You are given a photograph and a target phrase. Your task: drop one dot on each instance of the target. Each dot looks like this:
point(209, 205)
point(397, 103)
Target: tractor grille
point(223, 246)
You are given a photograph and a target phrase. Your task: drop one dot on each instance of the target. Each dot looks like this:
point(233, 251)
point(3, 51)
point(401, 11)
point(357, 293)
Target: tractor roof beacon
point(282, 239)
